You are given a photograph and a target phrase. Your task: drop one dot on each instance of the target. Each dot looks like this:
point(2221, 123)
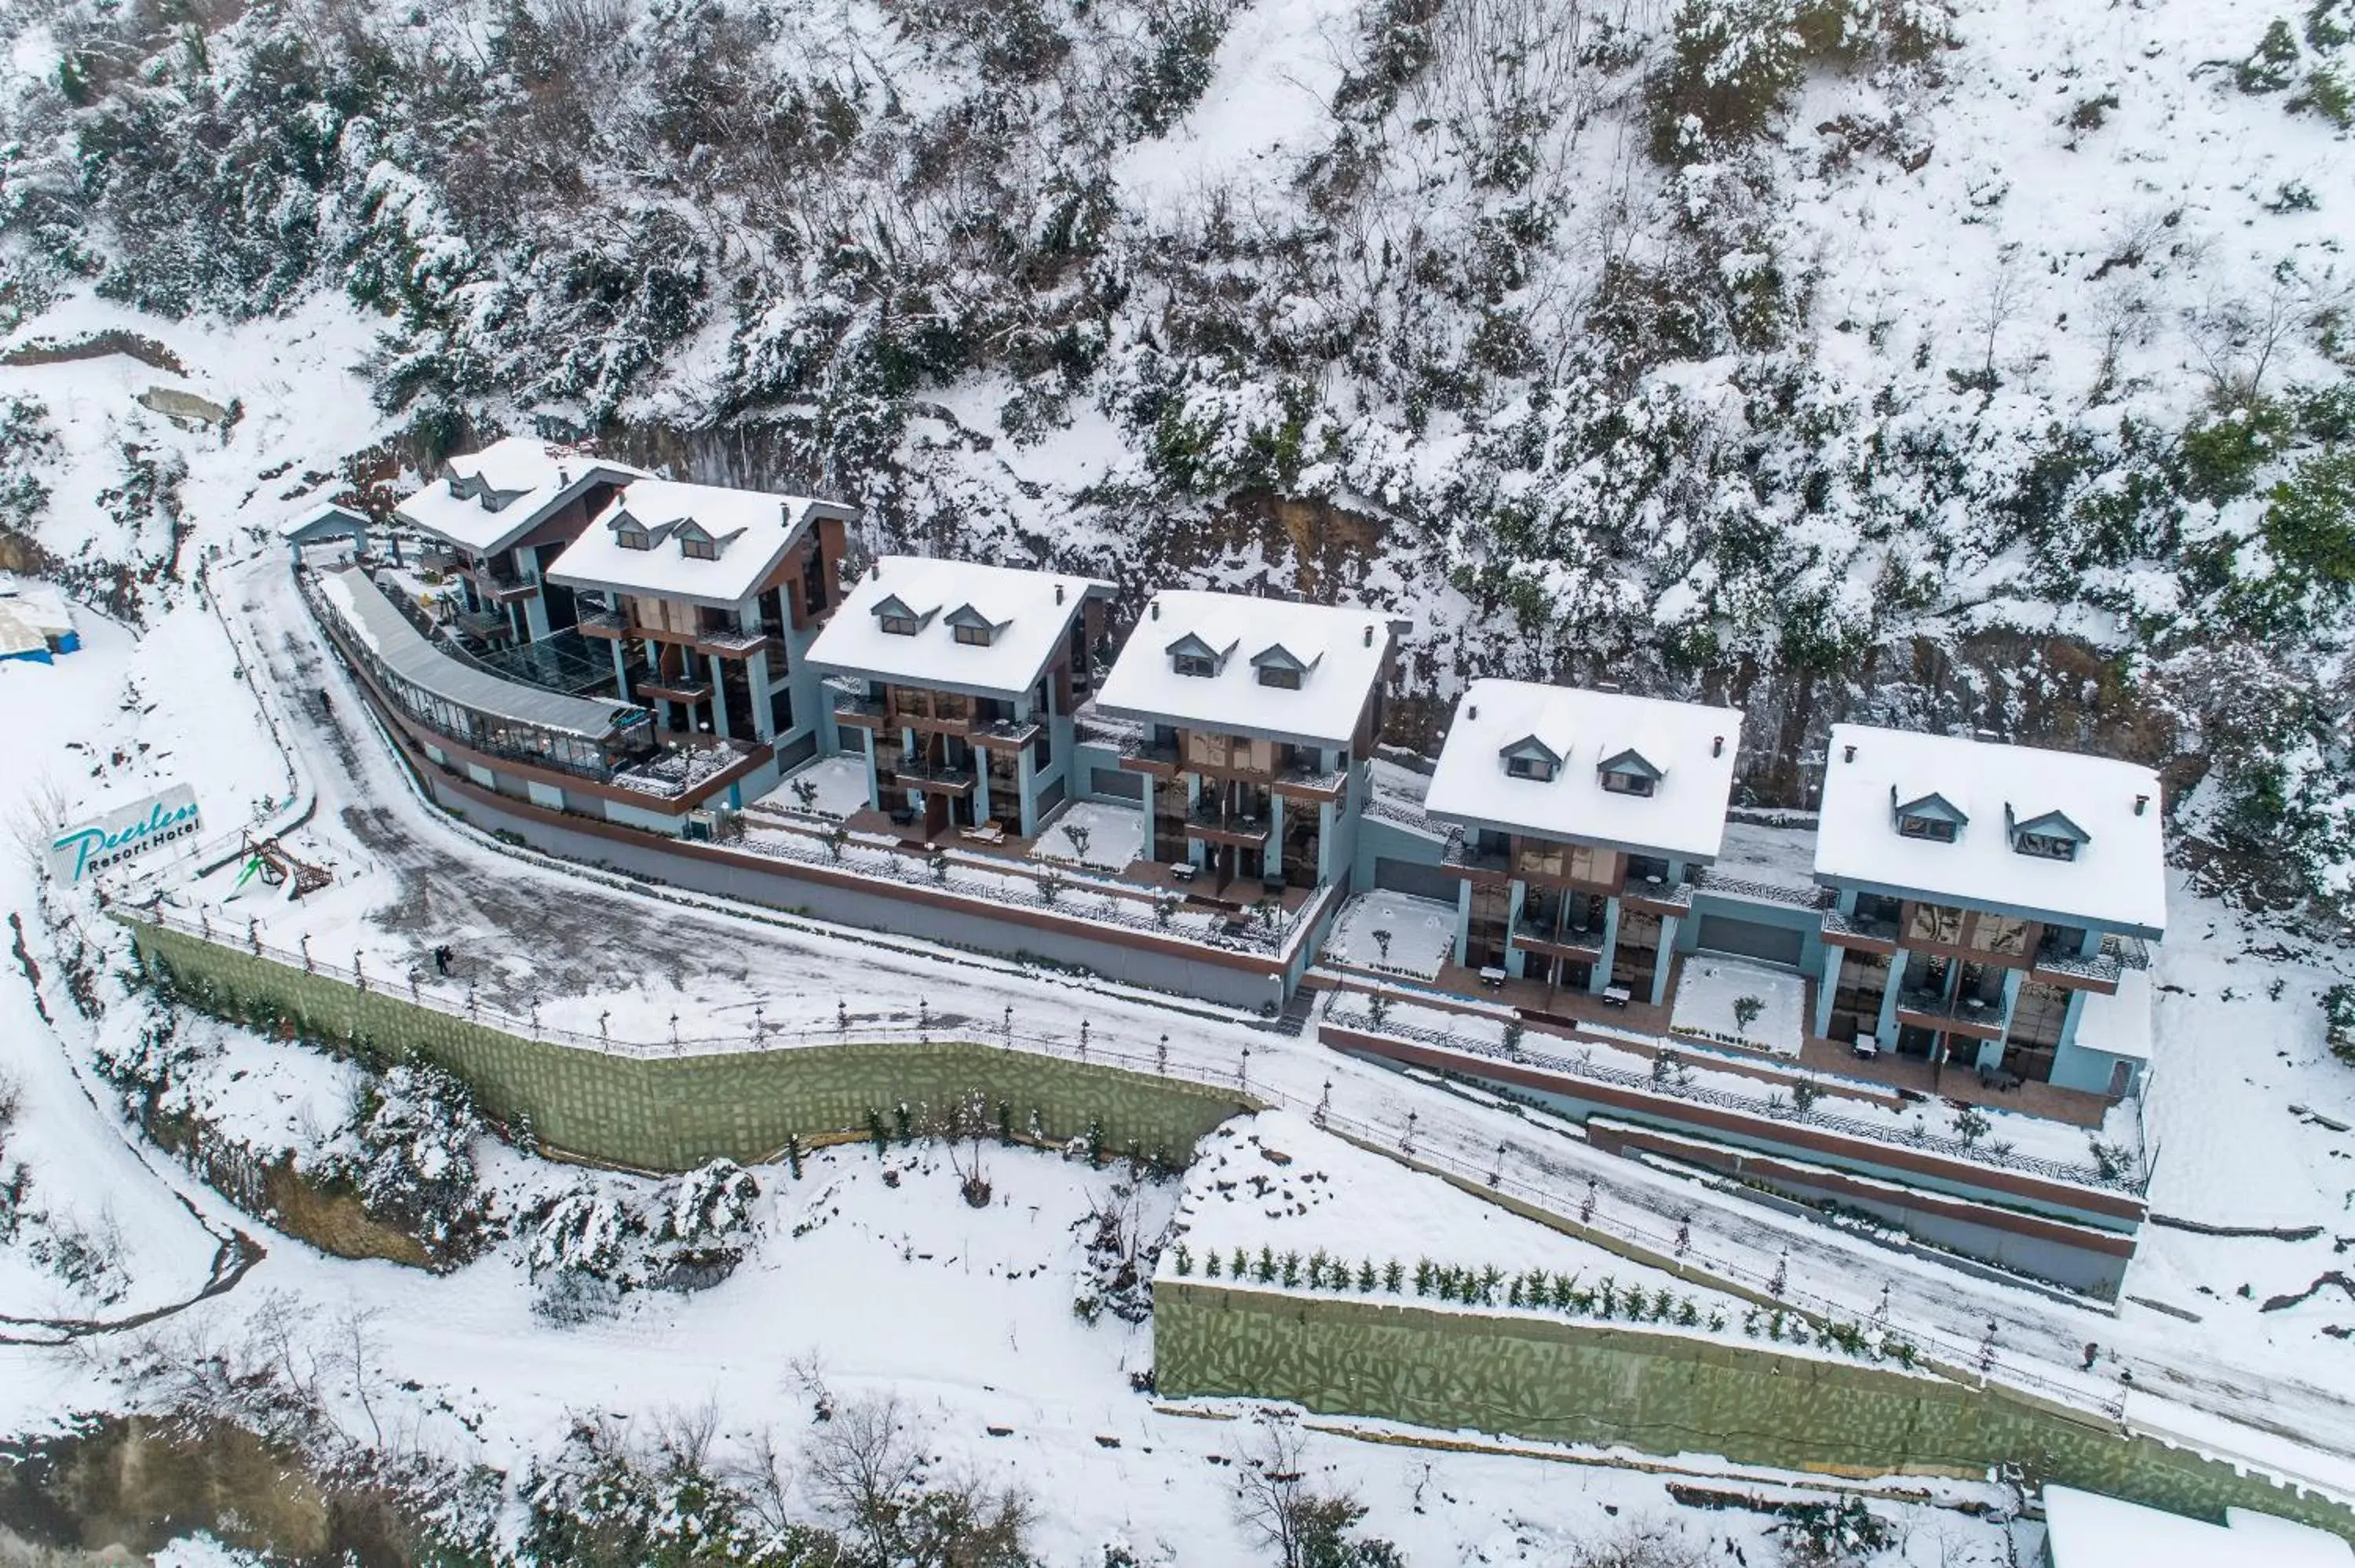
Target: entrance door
point(936, 814)
point(2121, 1079)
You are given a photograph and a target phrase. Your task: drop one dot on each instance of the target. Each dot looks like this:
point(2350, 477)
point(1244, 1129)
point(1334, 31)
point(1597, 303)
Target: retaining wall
point(1580, 1383)
point(672, 1112)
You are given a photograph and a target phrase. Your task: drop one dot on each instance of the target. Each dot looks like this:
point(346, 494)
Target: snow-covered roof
point(2117, 880)
point(18, 637)
point(323, 522)
point(38, 605)
point(749, 532)
point(1026, 613)
point(491, 498)
point(1338, 650)
point(2119, 1024)
point(2086, 1530)
point(379, 626)
point(1687, 748)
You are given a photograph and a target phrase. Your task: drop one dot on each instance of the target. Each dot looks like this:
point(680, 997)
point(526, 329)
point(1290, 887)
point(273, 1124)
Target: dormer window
point(2051, 836)
point(1190, 655)
point(898, 618)
point(696, 547)
point(1931, 817)
point(1279, 667)
point(1531, 758)
point(972, 628)
point(1628, 773)
point(630, 537)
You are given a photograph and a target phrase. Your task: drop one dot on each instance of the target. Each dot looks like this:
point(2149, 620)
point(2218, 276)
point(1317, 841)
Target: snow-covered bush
point(410, 1158)
point(590, 1244)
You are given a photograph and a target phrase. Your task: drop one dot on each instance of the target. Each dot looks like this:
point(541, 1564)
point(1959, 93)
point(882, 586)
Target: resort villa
point(956, 685)
point(1254, 719)
point(1579, 812)
point(504, 514)
point(1992, 904)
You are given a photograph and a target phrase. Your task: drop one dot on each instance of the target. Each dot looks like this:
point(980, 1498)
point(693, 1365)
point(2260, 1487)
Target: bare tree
point(34, 821)
point(1997, 302)
point(861, 1465)
point(1296, 1522)
point(2237, 338)
point(355, 1350)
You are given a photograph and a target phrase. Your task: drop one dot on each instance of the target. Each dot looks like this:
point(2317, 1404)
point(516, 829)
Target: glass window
point(1938, 829)
point(1196, 664)
point(633, 539)
point(2047, 846)
point(1619, 783)
point(1273, 675)
point(1536, 768)
point(698, 549)
point(899, 626)
point(974, 636)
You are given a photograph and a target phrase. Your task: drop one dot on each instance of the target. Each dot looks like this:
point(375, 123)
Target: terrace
point(819, 814)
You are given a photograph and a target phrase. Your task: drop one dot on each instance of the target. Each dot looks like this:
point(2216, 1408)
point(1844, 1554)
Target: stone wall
point(1582, 1382)
point(672, 1112)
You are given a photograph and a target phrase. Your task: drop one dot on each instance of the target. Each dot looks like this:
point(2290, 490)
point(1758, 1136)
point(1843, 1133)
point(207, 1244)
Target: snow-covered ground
point(1114, 836)
point(1713, 991)
point(836, 786)
point(1420, 934)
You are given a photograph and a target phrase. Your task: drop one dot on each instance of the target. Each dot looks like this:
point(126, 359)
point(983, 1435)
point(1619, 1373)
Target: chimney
point(1059, 593)
point(564, 477)
point(1156, 610)
point(1847, 754)
point(2140, 801)
point(1472, 711)
point(876, 573)
point(1717, 745)
point(1370, 634)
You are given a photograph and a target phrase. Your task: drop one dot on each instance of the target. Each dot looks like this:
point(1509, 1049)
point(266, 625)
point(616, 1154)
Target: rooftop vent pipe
point(1156, 610)
point(2140, 801)
point(1370, 634)
point(1717, 745)
point(1059, 593)
point(1847, 754)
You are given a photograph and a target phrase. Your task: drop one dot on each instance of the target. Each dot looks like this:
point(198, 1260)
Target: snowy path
point(570, 932)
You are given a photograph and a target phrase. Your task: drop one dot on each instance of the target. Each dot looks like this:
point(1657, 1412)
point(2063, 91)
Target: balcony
point(1565, 942)
point(1226, 827)
point(680, 688)
point(1463, 853)
point(1865, 934)
point(735, 642)
point(933, 777)
point(501, 585)
point(851, 708)
point(2059, 963)
point(1150, 756)
point(1967, 1016)
point(1300, 781)
point(605, 624)
point(1007, 734)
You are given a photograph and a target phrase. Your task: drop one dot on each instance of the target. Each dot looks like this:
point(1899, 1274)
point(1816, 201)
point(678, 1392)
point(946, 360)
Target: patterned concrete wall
point(670, 1114)
point(1582, 1382)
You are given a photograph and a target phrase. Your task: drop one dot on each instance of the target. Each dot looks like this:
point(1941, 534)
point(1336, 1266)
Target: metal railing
point(1659, 1240)
point(1667, 1086)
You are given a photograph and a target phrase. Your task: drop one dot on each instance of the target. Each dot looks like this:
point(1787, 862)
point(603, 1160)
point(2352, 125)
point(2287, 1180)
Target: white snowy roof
point(1339, 649)
point(1689, 747)
point(18, 636)
point(2085, 1530)
point(2117, 881)
point(320, 522)
point(2118, 1026)
point(40, 606)
point(751, 529)
point(491, 498)
point(1029, 614)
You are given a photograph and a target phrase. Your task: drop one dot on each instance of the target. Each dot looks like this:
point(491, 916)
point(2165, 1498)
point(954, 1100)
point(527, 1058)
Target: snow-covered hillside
point(1785, 348)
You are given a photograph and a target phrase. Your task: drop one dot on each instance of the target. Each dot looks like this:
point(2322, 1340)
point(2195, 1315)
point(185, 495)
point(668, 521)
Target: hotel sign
point(165, 817)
